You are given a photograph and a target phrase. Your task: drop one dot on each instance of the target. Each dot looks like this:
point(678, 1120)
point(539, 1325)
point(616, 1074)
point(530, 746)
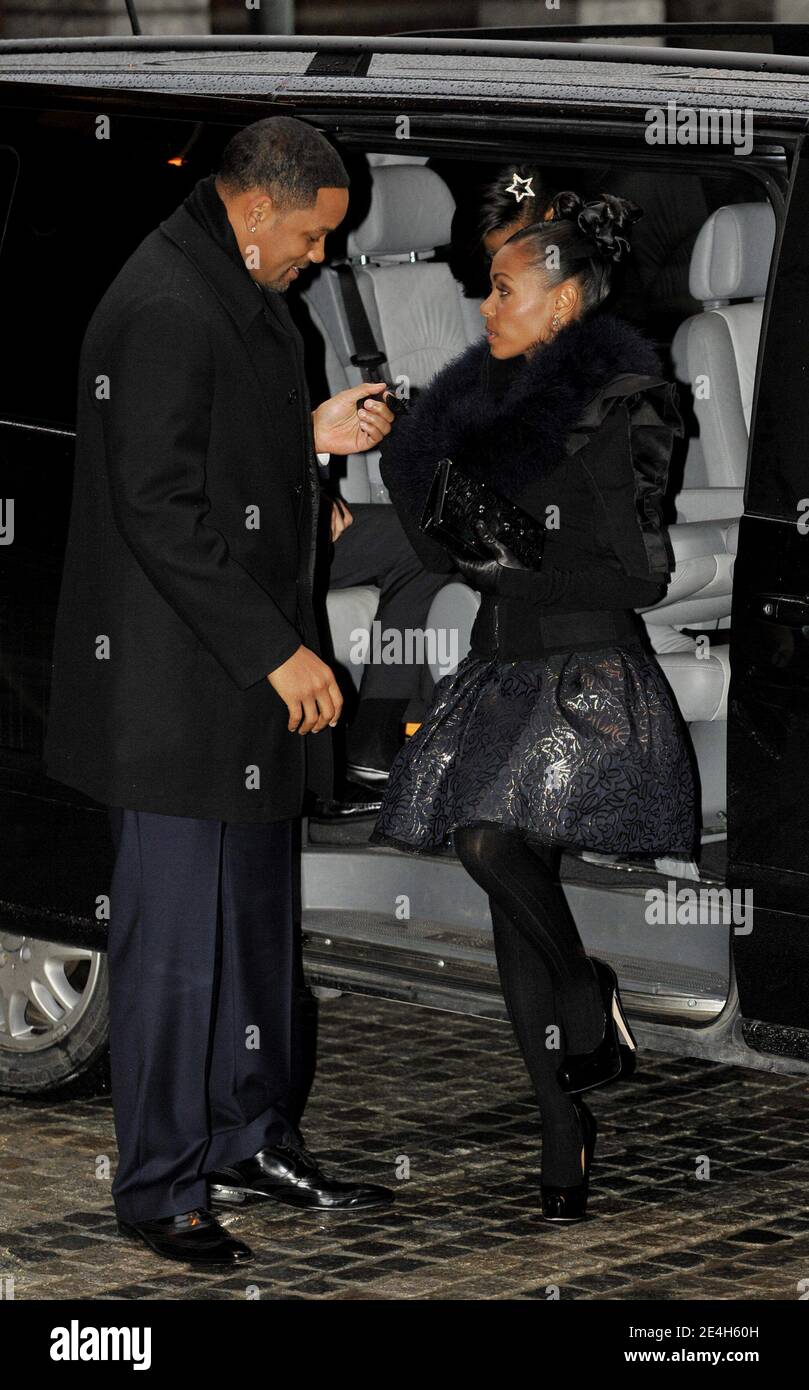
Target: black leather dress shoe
point(195, 1237)
point(350, 802)
point(367, 775)
point(292, 1176)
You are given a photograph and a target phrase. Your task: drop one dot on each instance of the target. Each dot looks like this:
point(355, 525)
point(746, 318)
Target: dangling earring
point(555, 325)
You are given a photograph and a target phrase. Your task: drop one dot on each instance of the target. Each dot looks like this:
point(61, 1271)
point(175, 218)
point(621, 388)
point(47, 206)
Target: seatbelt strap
point(367, 356)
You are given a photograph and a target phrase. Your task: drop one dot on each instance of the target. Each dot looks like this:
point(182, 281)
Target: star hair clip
point(521, 188)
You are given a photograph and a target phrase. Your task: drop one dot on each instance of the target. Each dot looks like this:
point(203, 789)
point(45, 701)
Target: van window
point(89, 187)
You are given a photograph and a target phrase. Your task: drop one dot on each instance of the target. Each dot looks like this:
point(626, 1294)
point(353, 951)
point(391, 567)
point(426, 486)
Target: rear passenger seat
point(420, 317)
point(719, 348)
point(417, 313)
point(715, 354)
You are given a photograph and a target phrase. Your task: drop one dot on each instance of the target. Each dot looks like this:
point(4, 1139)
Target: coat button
point(293, 395)
point(298, 489)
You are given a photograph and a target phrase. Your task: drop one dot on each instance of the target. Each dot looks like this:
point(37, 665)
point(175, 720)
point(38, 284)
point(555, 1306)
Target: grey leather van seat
point(418, 316)
point(715, 353)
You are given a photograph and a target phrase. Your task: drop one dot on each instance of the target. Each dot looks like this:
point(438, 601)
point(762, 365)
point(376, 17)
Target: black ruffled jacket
point(584, 426)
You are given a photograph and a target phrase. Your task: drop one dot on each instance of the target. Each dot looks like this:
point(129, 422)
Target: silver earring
point(555, 323)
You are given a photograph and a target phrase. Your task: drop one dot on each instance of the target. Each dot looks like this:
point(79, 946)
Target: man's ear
point(258, 208)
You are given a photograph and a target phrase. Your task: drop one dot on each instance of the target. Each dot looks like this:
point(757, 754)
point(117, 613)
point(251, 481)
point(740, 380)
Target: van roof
point(487, 69)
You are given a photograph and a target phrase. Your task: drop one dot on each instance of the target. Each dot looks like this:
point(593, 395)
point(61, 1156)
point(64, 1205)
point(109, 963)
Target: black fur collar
point(507, 421)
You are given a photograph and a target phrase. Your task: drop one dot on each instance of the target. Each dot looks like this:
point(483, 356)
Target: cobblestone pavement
point(449, 1095)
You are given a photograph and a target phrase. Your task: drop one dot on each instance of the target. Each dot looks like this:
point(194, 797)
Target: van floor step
point(438, 939)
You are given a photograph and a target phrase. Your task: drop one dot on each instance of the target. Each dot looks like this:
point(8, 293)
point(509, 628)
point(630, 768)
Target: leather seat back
point(715, 353)
point(418, 317)
point(414, 304)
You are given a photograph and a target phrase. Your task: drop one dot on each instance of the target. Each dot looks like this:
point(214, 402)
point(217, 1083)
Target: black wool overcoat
point(190, 554)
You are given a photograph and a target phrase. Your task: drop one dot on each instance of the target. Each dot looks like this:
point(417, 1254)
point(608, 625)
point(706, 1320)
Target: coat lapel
point(277, 306)
point(262, 331)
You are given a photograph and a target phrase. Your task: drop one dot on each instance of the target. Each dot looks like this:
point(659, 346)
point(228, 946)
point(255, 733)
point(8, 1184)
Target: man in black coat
point(189, 694)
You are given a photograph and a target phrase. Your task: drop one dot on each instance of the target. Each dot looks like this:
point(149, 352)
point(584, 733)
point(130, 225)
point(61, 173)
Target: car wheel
point(54, 1025)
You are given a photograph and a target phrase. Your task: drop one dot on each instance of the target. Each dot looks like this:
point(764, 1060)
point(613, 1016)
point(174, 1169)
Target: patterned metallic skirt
point(585, 750)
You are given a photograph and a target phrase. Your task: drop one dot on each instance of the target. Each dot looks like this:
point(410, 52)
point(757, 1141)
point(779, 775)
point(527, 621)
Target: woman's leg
point(529, 995)
point(523, 878)
point(543, 971)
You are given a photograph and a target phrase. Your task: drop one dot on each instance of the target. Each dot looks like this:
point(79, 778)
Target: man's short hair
point(286, 158)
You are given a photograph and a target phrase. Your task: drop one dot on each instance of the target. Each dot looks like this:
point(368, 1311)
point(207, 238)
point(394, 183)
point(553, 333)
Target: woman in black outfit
point(559, 728)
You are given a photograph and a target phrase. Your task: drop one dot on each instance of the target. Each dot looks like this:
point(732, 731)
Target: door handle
point(788, 610)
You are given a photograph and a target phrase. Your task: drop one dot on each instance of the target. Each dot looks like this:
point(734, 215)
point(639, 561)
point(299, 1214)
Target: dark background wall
point(29, 18)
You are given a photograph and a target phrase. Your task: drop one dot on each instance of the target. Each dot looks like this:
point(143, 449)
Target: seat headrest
point(732, 253)
point(411, 210)
point(385, 158)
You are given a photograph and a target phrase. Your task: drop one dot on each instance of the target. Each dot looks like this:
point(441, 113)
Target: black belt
point(505, 627)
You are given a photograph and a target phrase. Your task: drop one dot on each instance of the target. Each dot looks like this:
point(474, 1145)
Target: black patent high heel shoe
point(566, 1204)
point(584, 1070)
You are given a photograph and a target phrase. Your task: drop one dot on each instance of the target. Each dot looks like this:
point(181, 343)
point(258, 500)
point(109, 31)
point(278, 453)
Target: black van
point(101, 139)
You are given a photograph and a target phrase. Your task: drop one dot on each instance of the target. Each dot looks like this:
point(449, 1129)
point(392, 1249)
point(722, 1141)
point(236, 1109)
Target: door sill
point(441, 965)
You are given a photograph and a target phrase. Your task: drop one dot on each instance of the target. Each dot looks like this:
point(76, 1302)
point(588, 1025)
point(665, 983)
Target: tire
point(54, 1018)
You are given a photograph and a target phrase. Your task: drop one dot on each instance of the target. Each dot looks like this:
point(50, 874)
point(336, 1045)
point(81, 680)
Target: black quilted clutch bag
point(456, 502)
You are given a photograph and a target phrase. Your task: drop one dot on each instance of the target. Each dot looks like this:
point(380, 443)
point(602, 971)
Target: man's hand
point(340, 517)
point(309, 691)
point(341, 428)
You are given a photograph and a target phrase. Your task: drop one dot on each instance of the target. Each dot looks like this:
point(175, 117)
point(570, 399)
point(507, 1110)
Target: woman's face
point(520, 308)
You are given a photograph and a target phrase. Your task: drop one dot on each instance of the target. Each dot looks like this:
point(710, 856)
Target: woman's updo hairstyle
point(590, 240)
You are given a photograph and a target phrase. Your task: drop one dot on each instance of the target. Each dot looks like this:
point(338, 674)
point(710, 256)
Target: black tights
point(547, 978)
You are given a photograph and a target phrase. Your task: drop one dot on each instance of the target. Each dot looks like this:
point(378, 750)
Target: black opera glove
point(485, 575)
